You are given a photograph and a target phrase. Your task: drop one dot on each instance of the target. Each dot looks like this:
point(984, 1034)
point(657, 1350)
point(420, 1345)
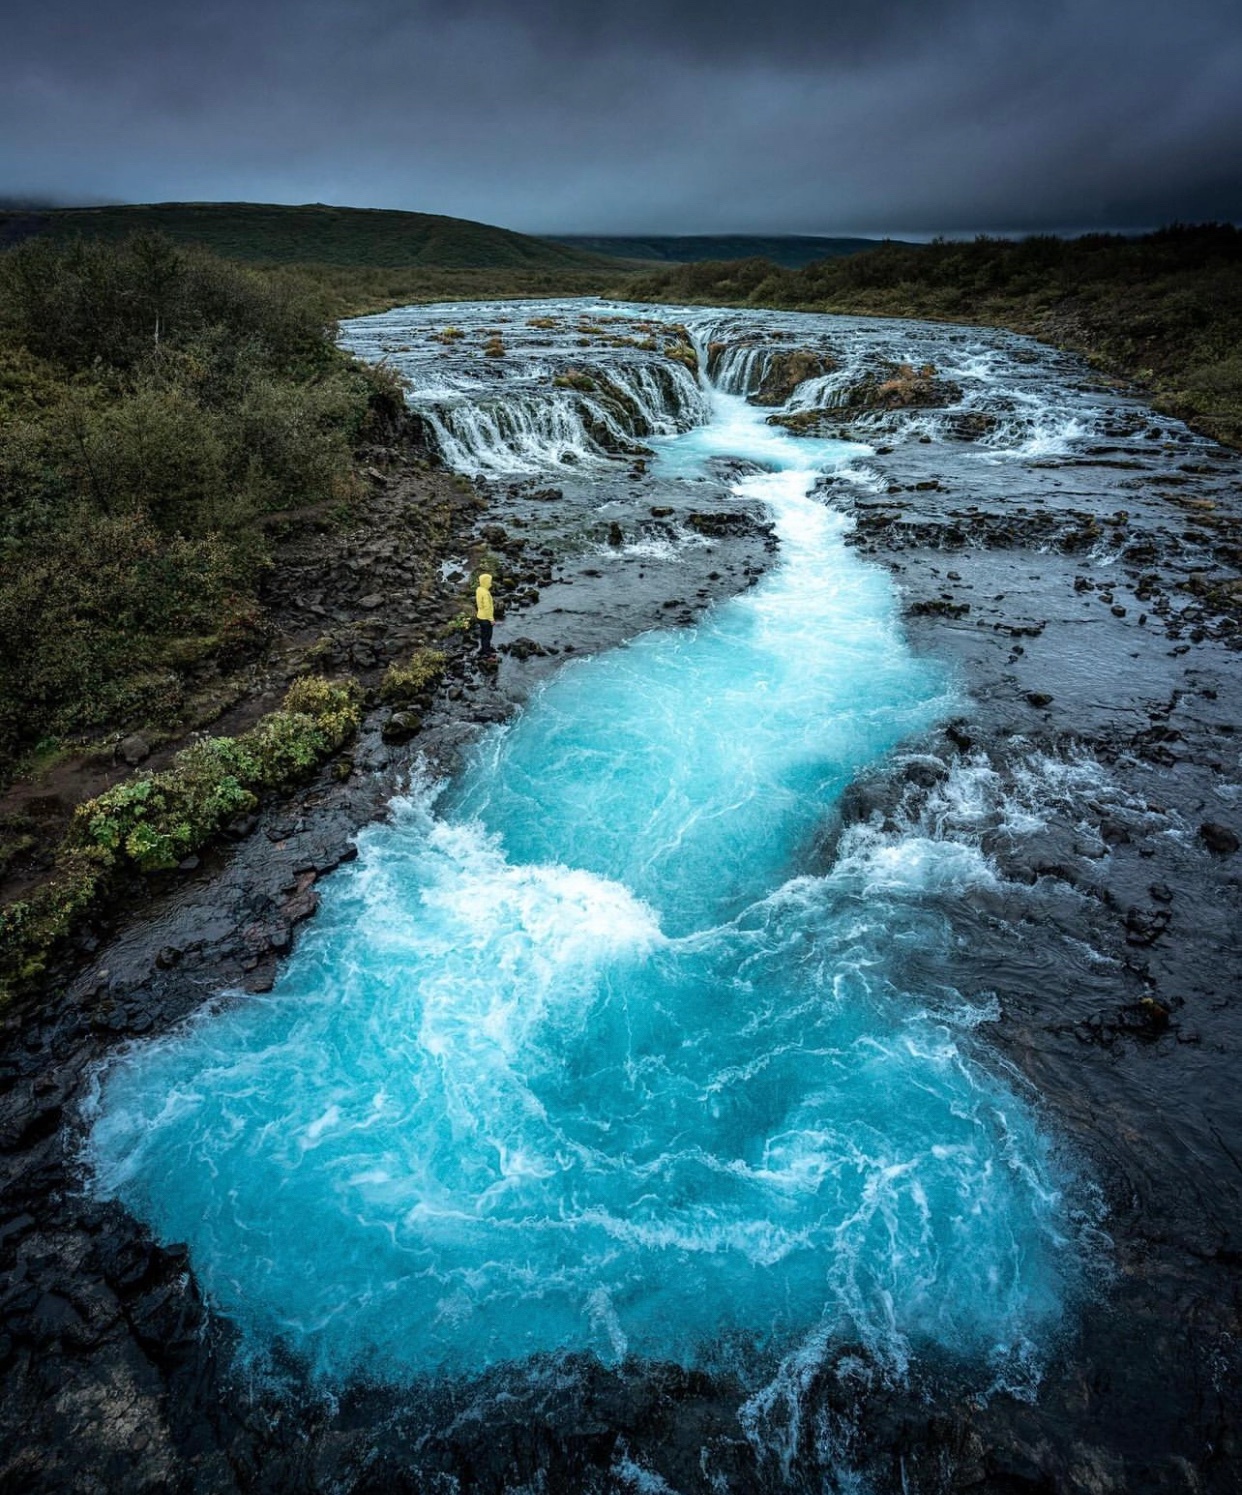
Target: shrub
point(92, 301)
point(92, 617)
point(403, 683)
point(30, 928)
point(135, 470)
point(153, 821)
point(156, 820)
point(317, 719)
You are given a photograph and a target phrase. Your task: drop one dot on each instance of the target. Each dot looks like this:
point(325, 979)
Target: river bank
point(1092, 754)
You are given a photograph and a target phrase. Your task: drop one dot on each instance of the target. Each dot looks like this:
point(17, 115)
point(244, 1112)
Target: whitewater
point(594, 1049)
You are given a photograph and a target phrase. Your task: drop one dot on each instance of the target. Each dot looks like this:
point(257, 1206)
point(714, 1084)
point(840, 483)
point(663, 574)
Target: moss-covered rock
point(574, 379)
point(683, 352)
point(900, 386)
point(895, 386)
point(785, 370)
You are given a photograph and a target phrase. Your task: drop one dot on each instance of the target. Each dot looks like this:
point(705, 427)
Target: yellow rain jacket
point(483, 600)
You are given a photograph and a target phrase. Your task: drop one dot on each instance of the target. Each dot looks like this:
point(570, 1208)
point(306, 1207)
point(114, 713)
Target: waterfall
point(529, 430)
point(581, 1056)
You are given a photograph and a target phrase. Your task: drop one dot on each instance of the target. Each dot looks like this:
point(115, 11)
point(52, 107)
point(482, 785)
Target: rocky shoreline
point(1077, 635)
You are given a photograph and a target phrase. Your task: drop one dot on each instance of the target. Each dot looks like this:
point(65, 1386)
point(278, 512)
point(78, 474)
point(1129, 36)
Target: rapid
point(603, 1045)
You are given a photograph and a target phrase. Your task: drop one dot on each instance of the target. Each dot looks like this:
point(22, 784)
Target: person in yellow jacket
point(486, 615)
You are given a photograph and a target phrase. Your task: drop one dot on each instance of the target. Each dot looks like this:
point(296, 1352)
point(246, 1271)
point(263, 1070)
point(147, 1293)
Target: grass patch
point(153, 821)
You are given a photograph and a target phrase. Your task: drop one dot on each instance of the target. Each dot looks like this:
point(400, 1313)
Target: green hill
point(790, 250)
point(270, 233)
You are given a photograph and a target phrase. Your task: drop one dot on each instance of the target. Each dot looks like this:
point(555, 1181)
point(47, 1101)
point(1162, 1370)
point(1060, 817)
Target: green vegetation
point(574, 379)
point(790, 250)
point(314, 233)
point(357, 292)
point(403, 683)
point(155, 820)
point(162, 413)
point(1164, 309)
point(156, 404)
point(683, 352)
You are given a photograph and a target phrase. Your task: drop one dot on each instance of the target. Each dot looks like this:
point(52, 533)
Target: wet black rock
point(726, 522)
point(523, 648)
point(400, 727)
point(938, 607)
point(1144, 926)
point(1218, 839)
point(958, 735)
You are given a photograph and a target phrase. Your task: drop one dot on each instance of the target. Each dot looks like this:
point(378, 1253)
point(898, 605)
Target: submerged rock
point(1218, 839)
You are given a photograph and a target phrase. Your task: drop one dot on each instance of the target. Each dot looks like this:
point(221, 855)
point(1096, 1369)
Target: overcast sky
point(903, 117)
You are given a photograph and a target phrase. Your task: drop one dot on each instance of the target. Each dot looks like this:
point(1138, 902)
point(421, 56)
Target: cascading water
point(579, 1055)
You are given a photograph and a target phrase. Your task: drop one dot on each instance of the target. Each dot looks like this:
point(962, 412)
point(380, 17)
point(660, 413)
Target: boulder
point(400, 727)
point(134, 750)
point(1218, 839)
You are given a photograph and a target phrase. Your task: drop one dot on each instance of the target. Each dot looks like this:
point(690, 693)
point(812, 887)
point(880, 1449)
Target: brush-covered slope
point(790, 250)
point(312, 234)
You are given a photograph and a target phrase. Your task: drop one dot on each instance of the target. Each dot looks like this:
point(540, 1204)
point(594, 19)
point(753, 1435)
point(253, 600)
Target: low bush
point(404, 683)
point(156, 405)
point(31, 928)
point(153, 821)
point(157, 819)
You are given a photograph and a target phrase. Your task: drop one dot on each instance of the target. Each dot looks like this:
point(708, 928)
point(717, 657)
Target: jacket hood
point(485, 581)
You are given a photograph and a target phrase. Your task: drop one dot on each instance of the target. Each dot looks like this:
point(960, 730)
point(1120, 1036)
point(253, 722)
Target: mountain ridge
point(310, 233)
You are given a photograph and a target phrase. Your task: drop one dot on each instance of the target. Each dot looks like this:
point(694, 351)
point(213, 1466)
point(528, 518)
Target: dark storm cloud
point(900, 116)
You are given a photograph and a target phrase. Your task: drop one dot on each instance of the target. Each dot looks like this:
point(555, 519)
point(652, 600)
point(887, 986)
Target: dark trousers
point(485, 636)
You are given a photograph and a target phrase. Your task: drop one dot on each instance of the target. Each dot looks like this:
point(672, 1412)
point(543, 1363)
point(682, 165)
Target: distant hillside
point(313, 234)
point(790, 250)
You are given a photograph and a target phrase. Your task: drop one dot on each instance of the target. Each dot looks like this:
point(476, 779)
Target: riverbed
point(813, 1018)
